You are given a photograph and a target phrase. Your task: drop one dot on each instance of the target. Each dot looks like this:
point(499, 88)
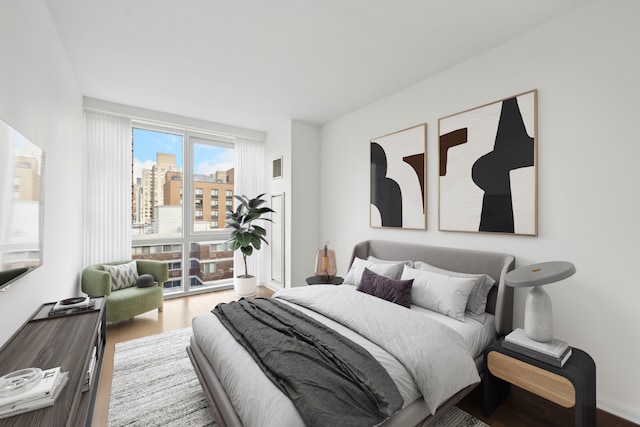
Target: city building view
point(20, 212)
point(158, 222)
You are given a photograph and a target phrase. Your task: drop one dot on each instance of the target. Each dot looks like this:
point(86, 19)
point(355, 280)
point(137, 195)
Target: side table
point(315, 280)
point(573, 385)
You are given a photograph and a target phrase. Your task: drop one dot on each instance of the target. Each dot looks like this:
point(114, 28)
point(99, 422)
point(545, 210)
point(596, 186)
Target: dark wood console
point(67, 341)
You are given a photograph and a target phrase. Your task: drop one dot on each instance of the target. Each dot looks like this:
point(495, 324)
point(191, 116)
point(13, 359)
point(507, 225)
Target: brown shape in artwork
point(416, 161)
point(447, 141)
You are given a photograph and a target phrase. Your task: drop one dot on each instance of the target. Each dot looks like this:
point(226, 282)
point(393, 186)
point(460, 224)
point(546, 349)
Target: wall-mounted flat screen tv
point(21, 204)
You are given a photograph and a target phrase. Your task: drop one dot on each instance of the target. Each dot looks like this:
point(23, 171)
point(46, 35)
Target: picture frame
point(487, 180)
point(276, 170)
point(398, 196)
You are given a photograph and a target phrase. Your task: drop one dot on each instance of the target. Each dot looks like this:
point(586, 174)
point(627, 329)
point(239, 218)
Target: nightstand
point(572, 386)
point(315, 280)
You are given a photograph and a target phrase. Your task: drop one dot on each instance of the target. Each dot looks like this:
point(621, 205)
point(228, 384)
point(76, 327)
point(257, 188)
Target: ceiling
point(257, 63)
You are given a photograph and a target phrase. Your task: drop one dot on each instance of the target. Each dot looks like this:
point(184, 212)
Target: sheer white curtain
point(107, 172)
point(249, 181)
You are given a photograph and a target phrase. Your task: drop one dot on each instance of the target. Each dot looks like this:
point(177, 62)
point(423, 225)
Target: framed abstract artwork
point(488, 168)
point(398, 179)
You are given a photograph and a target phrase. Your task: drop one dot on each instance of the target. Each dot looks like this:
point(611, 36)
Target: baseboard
point(629, 414)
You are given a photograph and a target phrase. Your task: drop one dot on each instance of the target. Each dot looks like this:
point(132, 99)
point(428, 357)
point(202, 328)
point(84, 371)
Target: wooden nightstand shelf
point(573, 385)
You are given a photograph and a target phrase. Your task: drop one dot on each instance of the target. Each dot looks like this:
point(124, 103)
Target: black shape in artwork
point(513, 149)
point(385, 192)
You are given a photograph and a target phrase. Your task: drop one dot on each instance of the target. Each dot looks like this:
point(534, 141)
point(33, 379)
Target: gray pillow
point(122, 275)
point(395, 291)
point(477, 302)
point(145, 281)
point(354, 274)
point(388, 261)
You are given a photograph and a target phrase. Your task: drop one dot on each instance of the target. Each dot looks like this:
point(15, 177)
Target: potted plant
point(247, 236)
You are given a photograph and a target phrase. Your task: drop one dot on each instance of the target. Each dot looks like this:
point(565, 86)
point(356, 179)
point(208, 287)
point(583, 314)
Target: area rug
point(154, 384)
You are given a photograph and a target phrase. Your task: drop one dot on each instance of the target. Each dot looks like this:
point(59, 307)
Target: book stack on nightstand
point(554, 352)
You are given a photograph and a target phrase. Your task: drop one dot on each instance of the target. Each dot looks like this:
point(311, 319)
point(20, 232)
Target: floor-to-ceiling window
point(182, 185)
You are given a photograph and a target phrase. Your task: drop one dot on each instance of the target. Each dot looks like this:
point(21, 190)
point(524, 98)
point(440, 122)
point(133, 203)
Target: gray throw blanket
point(331, 380)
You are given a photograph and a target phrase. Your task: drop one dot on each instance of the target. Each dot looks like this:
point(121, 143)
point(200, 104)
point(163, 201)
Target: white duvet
point(423, 356)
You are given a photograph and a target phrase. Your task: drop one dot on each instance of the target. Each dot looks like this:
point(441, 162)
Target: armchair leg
point(160, 309)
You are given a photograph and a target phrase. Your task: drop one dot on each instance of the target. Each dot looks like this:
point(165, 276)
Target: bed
point(241, 395)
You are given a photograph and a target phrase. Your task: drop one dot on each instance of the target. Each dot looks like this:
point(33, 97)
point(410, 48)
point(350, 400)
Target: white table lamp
point(538, 317)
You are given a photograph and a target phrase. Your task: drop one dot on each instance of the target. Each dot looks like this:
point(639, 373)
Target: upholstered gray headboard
point(496, 265)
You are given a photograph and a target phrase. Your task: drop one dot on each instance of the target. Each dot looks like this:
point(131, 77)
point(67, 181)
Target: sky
point(207, 159)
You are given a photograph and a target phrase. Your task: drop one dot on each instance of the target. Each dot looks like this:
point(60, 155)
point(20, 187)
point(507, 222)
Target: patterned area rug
point(154, 384)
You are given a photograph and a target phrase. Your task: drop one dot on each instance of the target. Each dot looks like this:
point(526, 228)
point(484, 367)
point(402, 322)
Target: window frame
point(188, 204)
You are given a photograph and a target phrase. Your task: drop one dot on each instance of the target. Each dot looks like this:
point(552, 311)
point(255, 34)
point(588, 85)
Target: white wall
point(298, 144)
point(41, 99)
point(278, 144)
point(305, 200)
point(586, 67)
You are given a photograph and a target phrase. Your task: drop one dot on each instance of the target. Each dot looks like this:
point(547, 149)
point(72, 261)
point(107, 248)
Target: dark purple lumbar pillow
point(396, 291)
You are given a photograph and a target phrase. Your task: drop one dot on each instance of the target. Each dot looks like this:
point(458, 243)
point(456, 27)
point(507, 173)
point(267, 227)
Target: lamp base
point(538, 316)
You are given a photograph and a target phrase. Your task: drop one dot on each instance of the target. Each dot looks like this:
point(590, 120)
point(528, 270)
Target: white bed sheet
point(399, 374)
point(265, 399)
point(476, 335)
point(266, 405)
point(256, 400)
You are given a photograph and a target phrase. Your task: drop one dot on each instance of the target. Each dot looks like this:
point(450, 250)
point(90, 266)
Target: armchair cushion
point(122, 275)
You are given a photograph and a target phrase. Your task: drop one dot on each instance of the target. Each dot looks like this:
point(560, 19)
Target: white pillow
point(122, 275)
point(439, 292)
point(477, 302)
point(354, 275)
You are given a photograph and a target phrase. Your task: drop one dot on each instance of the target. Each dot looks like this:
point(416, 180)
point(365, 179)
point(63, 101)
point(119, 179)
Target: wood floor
point(520, 409)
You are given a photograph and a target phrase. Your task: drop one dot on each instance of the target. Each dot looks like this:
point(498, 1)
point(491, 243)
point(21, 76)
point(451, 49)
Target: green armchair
point(126, 303)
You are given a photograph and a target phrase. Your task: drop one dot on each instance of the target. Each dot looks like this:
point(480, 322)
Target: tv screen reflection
point(21, 208)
